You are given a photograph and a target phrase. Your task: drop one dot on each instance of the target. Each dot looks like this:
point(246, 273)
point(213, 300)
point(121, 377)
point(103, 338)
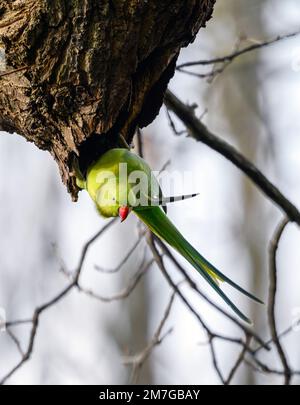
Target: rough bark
point(89, 70)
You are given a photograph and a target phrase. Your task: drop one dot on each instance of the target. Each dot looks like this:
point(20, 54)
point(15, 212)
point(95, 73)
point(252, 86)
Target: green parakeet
point(121, 182)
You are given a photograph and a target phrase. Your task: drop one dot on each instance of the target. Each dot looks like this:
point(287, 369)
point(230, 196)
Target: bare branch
point(175, 287)
point(39, 310)
point(201, 133)
point(139, 359)
point(87, 246)
point(272, 299)
point(159, 261)
point(194, 286)
point(214, 359)
point(172, 124)
point(280, 335)
point(18, 322)
point(123, 261)
point(239, 361)
point(135, 279)
point(228, 59)
point(261, 367)
point(15, 340)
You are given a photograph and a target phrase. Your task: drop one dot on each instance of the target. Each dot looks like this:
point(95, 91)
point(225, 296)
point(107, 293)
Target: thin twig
point(123, 261)
point(237, 53)
point(87, 246)
point(194, 286)
point(15, 340)
point(215, 359)
point(135, 279)
point(18, 322)
point(172, 124)
point(261, 367)
point(39, 310)
point(239, 361)
point(138, 360)
point(272, 299)
point(280, 335)
point(159, 260)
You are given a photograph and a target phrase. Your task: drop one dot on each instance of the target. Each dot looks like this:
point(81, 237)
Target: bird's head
point(111, 202)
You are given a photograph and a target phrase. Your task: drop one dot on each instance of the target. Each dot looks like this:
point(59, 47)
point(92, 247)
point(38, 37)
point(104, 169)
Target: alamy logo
point(139, 189)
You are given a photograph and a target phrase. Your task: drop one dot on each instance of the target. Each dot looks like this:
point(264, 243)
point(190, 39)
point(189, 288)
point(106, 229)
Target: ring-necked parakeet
point(121, 182)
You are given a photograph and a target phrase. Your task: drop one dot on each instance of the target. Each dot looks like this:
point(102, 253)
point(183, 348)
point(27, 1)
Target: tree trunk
point(86, 71)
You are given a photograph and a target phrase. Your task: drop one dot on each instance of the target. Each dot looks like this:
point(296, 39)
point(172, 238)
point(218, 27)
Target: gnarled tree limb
point(86, 71)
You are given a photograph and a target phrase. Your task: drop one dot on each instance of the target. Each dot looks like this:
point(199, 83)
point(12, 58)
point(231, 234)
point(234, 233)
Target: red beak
point(123, 213)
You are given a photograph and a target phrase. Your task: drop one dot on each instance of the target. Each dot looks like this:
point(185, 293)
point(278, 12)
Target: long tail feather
point(162, 227)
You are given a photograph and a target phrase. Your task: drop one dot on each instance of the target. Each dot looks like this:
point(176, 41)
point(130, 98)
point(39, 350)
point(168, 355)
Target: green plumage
point(111, 188)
